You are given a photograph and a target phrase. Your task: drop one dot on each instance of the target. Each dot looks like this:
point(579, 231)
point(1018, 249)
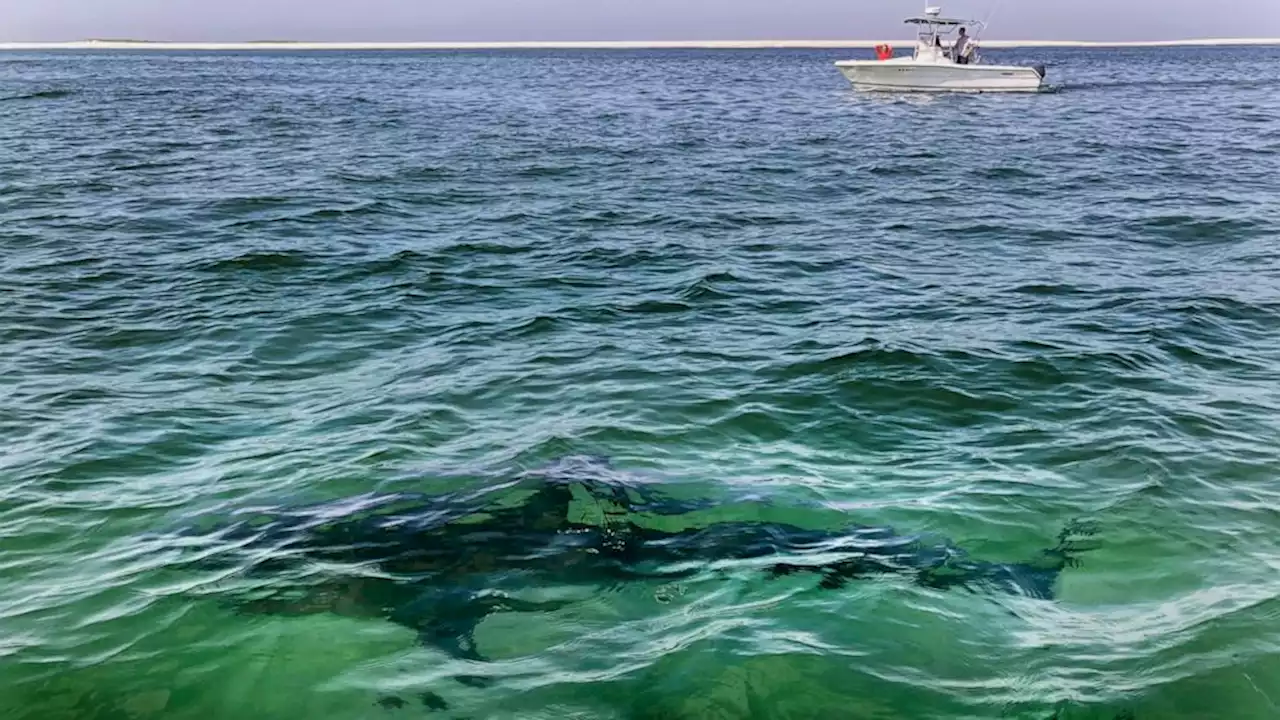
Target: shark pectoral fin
point(454, 633)
point(444, 621)
point(479, 682)
point(784, 569)
point(348, 597)
point(510, 604)
point(943, 577)
point(833, 581)
point(449, 623)
point(459, 642)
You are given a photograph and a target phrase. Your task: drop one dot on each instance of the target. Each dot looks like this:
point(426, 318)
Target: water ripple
point(238, 282)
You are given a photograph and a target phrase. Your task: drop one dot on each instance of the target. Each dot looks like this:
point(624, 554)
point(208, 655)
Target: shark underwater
point(441, 564)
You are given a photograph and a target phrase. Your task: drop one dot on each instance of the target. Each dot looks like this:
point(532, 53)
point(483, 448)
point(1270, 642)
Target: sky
point(567, 20)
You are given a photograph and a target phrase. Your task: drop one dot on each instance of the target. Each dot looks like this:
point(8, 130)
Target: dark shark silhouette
point(441, 564)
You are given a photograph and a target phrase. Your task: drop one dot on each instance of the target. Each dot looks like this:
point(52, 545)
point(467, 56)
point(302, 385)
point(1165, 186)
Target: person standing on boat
point(958, 52)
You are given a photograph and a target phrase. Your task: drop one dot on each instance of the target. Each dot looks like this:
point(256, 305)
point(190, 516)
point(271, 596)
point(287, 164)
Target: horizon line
point(125, 44)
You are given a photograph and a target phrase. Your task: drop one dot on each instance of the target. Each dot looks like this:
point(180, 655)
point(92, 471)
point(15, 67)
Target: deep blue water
point(248, 280)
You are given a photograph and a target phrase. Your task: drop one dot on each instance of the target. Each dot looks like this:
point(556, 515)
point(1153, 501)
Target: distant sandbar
point(592, 45)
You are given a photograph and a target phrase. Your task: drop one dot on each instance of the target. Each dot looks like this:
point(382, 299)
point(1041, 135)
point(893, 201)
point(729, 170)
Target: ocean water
point(255, 280)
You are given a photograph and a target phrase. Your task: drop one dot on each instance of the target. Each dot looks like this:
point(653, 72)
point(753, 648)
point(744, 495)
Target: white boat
point(932, 67)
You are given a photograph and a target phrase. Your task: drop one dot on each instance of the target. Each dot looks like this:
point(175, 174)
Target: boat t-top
point(940, 63)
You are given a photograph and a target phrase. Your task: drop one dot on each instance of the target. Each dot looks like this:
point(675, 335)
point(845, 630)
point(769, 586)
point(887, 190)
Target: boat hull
point(890, 76)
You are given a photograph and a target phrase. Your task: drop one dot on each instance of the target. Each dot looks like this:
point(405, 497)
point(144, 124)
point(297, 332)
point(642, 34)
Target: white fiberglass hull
point(907, 76)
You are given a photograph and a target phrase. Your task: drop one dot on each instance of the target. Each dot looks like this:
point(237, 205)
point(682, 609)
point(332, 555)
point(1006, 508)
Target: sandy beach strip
point(596, 45)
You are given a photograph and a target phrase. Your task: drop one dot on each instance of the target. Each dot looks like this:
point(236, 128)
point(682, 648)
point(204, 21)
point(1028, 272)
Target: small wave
point(1052, 236)
point(512, 218)
point(156, 92)
point(402, 261)
point(706, 287)
point(572, 281)
point(606, 217)
point(62, 264)
point(682, 221)
point(744, 220)
point(351, 176)
point(873, 354)
point(316, 215)
point(980, 230)
point(653, 307)
point(1208, 358)
point(149, 165)
point(232, 205)
point(1187, 228)
point(1007, 173)
point(86, 396)
point(42, 95)
point(1036, 363)
point(819, 141)
point(1225, 308)
point(336, 213)
point(1216, 83)
point(540, 325)
point(1049, 289)
point(900, 170)
point(486, 248)
point(628, 257)
point(547, 171)
point(260, 262)
point(108, 340)
point(759, 423)
point(772, 170)
point(429, 172)
point(1064, 366)
point(724, 276)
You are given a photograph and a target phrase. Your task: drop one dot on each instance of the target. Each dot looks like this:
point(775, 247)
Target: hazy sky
point(465, 20)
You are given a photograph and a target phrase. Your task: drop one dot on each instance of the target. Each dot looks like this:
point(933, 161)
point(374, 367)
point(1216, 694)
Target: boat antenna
point(990, 14)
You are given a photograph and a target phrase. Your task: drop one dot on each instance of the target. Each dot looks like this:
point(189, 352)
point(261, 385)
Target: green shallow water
point(245, 280)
